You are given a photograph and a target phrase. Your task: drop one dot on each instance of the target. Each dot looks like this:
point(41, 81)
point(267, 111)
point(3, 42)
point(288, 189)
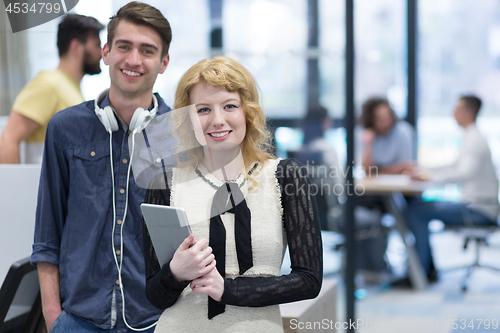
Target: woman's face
point(218, 118)
point(383, 120)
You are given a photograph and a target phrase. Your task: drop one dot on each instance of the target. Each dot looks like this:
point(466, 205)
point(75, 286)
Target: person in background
point(473, 170)
point(387, 143)
point(79, 48)
point(234, 284)
point(88, 226)
point(323, 165)
point(315, 124)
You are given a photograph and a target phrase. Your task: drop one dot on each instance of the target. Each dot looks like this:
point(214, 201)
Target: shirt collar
point(471, 126)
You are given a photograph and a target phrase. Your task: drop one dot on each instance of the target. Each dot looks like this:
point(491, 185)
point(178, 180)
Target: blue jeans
point(451, 213)
point(67, 323)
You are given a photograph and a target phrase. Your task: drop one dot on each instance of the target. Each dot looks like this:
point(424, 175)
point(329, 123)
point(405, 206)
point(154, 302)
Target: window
point(331, 56)
point(269, 38)
point(459, 53)
point(380, 37)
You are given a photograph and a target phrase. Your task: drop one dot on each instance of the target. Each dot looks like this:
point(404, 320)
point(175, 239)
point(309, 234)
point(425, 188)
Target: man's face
point(92, 55)
point(462, 115)
point(134, 59)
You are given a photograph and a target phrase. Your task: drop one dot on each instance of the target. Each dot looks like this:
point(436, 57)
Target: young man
point(474, 171)
point(88, 233)
point(79, 52)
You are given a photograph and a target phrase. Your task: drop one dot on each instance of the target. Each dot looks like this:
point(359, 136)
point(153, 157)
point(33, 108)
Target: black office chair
point(479, 235)
point(371, 236)
point(322, 186)
point(20, 303)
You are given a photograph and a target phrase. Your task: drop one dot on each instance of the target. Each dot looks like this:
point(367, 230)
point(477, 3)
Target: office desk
point(392, 189)
point(320, 311)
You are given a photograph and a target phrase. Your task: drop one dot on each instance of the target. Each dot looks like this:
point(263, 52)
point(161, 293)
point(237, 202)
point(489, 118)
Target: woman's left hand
point(211, 284)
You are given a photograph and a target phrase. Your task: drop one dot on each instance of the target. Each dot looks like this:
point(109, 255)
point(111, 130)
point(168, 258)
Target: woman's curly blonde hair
point(227, 73)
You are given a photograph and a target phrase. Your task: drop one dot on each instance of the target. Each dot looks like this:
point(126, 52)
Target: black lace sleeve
point(300, 217)
point(162, 288)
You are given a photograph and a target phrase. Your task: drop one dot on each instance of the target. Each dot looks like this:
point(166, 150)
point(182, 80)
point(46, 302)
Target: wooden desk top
point(386, 184)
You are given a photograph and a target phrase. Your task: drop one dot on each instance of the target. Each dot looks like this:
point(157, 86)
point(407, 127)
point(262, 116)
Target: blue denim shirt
point(74, 219)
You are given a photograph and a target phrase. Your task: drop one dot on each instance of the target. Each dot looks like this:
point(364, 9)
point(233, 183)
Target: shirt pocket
point(91, 168)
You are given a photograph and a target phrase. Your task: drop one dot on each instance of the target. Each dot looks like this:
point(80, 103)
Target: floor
point(442, 308)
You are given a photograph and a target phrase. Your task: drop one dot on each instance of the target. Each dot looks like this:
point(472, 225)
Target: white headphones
point(140, 119)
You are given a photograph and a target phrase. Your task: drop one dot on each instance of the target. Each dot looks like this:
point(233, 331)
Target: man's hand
point(192, 261)
point(211, 284)
point(48, 274)
point(50, 317)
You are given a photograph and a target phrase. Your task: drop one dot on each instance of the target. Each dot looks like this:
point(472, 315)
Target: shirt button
point(124, 161)
point(122, 191)
point(117, 282)
point(119, 222)
point(129, 132)
point(118, 252)
point(92, 153)
point(158, 160)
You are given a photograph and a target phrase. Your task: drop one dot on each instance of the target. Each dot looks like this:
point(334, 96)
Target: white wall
point(18, 194)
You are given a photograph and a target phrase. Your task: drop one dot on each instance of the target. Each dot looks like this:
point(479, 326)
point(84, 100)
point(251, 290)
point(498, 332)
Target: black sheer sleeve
point(300, 217)
point(162, 288)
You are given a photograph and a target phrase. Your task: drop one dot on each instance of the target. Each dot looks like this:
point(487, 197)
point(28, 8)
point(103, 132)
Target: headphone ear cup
point(142, 116)
point(138, 118)
point(110, 116)
point(107, 118)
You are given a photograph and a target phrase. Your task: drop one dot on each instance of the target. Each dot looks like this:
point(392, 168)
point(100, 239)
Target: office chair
point(329, 207)
point(20, 302)
point(479, 235)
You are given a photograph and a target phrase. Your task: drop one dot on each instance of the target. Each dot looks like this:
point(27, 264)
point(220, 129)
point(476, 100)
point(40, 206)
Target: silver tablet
point(168, 227)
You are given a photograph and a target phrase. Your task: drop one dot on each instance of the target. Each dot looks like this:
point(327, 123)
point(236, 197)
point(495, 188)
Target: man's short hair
point(142, 14)
point(316, 112)
point(367, 119)
point(75, 26)
point(472, 103)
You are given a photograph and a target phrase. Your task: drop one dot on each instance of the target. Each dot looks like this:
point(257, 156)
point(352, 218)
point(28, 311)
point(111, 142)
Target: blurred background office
point(296, 49)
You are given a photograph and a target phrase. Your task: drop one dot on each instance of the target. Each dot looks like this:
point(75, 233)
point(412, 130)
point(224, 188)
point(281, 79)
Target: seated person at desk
point(323, 165)
point(241, 202)
point(474, 171)
point(386, 147)
point(314, 126)
point(387, 143)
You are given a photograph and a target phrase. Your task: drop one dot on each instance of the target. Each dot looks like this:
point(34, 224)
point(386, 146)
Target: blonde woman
point(244, 207)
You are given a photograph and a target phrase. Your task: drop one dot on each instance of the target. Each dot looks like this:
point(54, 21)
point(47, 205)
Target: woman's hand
point(369, 136)
point(405, 168)
point(420, 174)
point(191, 261)
point(211, 284)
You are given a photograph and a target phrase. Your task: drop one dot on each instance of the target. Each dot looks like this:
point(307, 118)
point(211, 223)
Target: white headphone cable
point(119, 266)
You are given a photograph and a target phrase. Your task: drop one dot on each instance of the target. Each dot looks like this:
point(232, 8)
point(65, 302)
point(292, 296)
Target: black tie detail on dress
point(229, 198)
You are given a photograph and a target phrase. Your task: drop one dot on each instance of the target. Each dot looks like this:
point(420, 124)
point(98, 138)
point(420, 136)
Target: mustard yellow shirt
point(44, 96)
